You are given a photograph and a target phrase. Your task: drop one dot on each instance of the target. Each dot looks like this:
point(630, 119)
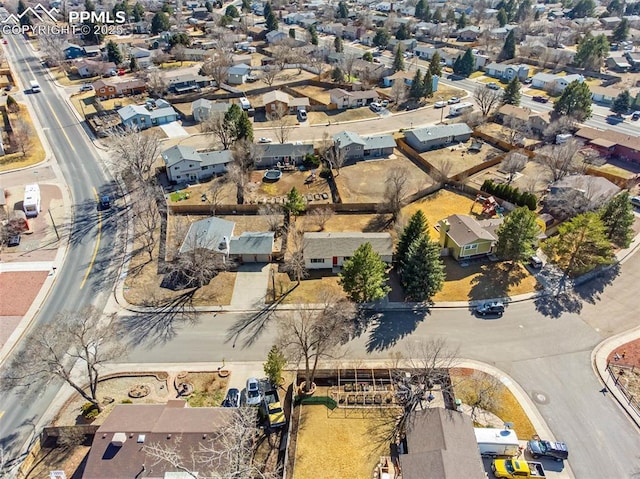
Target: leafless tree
point(52, 47)
point(515, 130)
point(273, 214)
point(480, 391)
point(270, 74)
point(179, 54)
point(215, 193)
point(487, 99)
point(133, 152)
point(567, 203)
point(348, 63)
point(513, 163)
point(156, 84)
point(399, 92)
point(563, 124)
point(294, 259)
point(52, 350)
point(147, 218)
point(245, 156)
point(70, 436)
point(217, 65)
point(309, 336)
point(336, 157)
point(396, 186)
point(560, 160)
point(219, 129)
point(445, 165)
point(21, 135)
point(8, 468)
point(320, 216)
point(229, 453)
point(282, 125)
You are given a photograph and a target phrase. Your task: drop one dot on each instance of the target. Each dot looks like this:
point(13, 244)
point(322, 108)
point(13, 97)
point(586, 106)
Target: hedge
point(321, 400)
point(511, 194)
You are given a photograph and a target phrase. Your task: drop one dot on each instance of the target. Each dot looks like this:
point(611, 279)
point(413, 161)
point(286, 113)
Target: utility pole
point(54, 225)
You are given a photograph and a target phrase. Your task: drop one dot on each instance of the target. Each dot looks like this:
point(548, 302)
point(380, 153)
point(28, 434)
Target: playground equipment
point(490, 206)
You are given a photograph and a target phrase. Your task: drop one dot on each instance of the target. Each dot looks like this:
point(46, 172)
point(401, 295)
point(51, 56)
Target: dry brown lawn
point(502, 132)
point(68, 459)
point(533, 178)
point(337, 116)
point(260, 191)
point(506, 406)
point(35, 150)
point(227, 194)
point(338, 444)
point(321, 95)
point(459, 158)
point(364, 181)
point(347, 222)
point(312, 290)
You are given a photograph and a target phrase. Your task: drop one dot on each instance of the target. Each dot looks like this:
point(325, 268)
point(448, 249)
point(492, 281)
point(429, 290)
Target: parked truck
point(494, 442)
point(515, 468)
point(554, 449)
point(272, 409)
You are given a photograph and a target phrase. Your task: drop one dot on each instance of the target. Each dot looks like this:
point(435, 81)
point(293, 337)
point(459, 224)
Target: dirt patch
point(193, 194)
point(456, 158)
point(69, 459)
point(628, 363)
point(208, 389)
point(338, 116)
point(319, 94)
point(261, 192)
point(22, 287)
point(364, 181)
point(534, 178)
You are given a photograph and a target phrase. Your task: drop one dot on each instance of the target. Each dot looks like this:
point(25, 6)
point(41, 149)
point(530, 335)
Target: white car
point(635, 201)
point(254, 395)
point(454, 99)
point(262, 139)
point(384, 103)
point(375, 106)
point(493, 86)
point(440, 104)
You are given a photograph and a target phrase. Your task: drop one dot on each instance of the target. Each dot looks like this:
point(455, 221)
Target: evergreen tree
point(337, 43)
point(502, 17)
point(580, 245)
point(621, 32)
point(591, 51)
point(509, 48)
point(434, 65)
point(113, 53)
point(575, 101)
point(423, 274)
point(25, 18)
point(313, 34)
point(337, 75)
point(271, 22)
point(12, 104)
point(451, 16)
point(536, 16)
point(462, 21)
point(517, 235)
point(622, 103)
point(245, 128)
point(364, 276)
point(133, 64)
point(583, 9)
point(367, 57)
point(511, 95)
point(160, 23)
point(292, 33)
point(524, 9)
point(343, 11)
point(246, 6)
point(403, 33)
point(381, 38)
point(273, 367)
point(267, 9)
point(232, 11)
point(617, 217)
point(416, 227)
point(464, 65)
point(138, 12)
point(427, 85)
point(294, 203)
point(420, 9)
point(437, 15)
point(417, 87)
point(398, 59)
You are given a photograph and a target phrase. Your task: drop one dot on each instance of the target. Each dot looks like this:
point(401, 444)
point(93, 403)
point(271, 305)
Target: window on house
point(178, 176)
point(317, 260)
point(176, 168)
point(470, 247)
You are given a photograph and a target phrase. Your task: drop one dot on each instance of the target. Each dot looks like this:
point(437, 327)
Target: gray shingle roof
point(325, 245)
point(252, 243)
point(177, 153)
point(210, 233)
point(271, 150)
point(130, 111)
point(440, 131)
point(162, 112)
point(346, 138)
point(379, 141)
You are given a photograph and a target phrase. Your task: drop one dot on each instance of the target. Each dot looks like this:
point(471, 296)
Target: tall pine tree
point(364, 276)
point(398, 59)
point(423, 274)
point(617, 216)
point(511, 95)
point(509, 48)
point(417, 87)
point(517, 235)
point(416, 228)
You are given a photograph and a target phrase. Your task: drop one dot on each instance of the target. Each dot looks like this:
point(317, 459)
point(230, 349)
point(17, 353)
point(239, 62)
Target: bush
point(89, 411)
point(311, 161)
point(510, 194)
point(127, 401)
point(325, 173)
point(321, 400)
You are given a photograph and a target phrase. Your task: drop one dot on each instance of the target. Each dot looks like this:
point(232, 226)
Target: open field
point(260, 191)
point(364, 181)
point(456, 158)
point(338, 116)
point(34, 150)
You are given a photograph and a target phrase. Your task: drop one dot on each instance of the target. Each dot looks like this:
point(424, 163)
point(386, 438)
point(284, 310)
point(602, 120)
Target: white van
point(35, 86)
point(244, 103)
point(31, 202)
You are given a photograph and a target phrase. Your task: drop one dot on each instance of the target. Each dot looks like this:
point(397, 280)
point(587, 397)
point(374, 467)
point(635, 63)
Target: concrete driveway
point(250, 289)
point(174, 130)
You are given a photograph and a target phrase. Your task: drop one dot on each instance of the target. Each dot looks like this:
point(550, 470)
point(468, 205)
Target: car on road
point(254, 395)
point(262, 139)
point(453, 100)
point(86, 87)
point(105, 202)
point(493, 308)
point(14, 241)
point(232, 399)
point(635, 116)
point(540, 99)
point(440, 104)
point(615, 119)
point(554, 449)
point(4, 41)
point(493, 85)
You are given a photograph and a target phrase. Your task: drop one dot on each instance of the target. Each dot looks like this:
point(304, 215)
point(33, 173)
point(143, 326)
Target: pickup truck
point(515, 468)
point(540, 448)
point(272, 409)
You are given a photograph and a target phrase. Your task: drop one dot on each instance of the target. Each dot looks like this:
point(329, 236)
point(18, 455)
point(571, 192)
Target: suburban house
point(237, 74)
point(465, 237)
point(507, 72)
point(139, 117)
point(272, 154)
point(618, 63)
point(118, 450)
point(185, 163)
point(352, 99)
point(358, 147)
point(186, 83)
point(201, 109)
point(612, 143)
point(407, 78)
point(90, 68)
point(602, 94)
point(112, 89)
point(550, 82)
point(279, 102)
point(216, 234)
point(469, 33)
point(596, 189)
point(275, 36)
point(331, 250)
point(430, 137)
point(441, 444)
point(512, 111)
point(71, 51)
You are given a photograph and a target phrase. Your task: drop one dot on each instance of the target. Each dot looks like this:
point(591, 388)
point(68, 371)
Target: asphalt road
point(92, 236)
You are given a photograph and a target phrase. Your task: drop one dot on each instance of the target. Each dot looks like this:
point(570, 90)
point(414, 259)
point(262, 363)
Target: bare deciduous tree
point(513, 163)
point(273, 214)
point(480, 391)
point(156, 84)
point(560, 160)
point(51, 351)
point(21, 135)
point(336, 157)
point(179, 53)
point(567, 203)
point(133, 152)
point(270, 74)
point(444, 169)
point(52, 47)
point(282, 124)
point(217, 65)
point(147, 219)
point(395, 192)
point(399, 92)
point(216, 125)
point(563, 124)
point(320, 216)
point(515, 130)
point(309, 336)
point(245, 156)
point(487, 99)
point(215, 193)
point(348, 63)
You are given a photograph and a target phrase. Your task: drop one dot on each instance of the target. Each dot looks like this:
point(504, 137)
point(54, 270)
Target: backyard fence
point(632, 400)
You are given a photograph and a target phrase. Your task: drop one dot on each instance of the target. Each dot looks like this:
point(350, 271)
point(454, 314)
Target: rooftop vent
point(118, 439)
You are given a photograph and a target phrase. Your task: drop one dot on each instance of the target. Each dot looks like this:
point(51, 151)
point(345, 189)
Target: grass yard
point(34, 151)
point(310, 291)
point(505, 406)
point(259, 191)
point(208, 389)
point(337, 116)
point(614, 170)
point(332, 446)
point(195, 192)
point(456, 158)
point(351, 222)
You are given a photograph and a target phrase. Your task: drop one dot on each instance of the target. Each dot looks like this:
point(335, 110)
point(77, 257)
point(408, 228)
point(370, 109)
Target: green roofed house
point(467, 238)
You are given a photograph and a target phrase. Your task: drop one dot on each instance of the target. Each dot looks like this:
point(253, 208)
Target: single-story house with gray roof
point(202, 109)
point(252, 247)
point(185, 163)
point(358, 147)
point(270, 154)
point(437, 136)
point(137, 116)
point(331, 250)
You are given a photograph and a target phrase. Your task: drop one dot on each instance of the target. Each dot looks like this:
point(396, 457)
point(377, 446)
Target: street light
point(441, 109)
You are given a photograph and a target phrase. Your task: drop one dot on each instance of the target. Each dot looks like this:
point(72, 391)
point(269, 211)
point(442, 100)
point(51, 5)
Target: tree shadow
point(380, 222)
point(390, 327)
point(251, 327)
point(567, 298)
point(160, 324)
point(495, 280)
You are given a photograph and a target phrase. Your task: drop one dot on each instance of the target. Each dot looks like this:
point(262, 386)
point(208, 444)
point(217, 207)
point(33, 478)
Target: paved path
point(250, 288)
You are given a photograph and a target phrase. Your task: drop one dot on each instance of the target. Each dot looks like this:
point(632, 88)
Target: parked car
point(384, 103)
point(493, 85)
point(375, 106)
point(302, 115)
point(86, 87)
point(440, 104)
point(453, 100)
point(254, 396)
point(540, 99)
point(493, 307)
point(232, 399)
point(105, 202)
point(14, 241)
point(555, 450)
point(528, 81)
point(535, 262)
point(262, 139)
point(635, 201)
point(635, 116)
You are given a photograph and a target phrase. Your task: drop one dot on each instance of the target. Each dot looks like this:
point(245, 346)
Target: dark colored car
point(555, 450)
point(232, 399)
point(105, 202)
point(635, 116)
point(540, 99)
point(14, 240)
point(494, 307)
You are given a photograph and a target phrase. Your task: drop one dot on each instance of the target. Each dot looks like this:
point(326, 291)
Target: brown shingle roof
point(621, 139)
point(466, 230)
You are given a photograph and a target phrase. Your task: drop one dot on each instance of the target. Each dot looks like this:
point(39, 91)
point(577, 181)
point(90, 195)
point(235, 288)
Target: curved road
point(83, 280)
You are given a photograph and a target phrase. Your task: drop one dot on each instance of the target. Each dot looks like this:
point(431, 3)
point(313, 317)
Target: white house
point(507, 72)
point(331, 250)
point(185, 163)
point(352, 99)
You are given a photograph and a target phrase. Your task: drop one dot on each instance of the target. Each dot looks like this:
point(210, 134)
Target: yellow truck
point(272, 409)
point(515, 468)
